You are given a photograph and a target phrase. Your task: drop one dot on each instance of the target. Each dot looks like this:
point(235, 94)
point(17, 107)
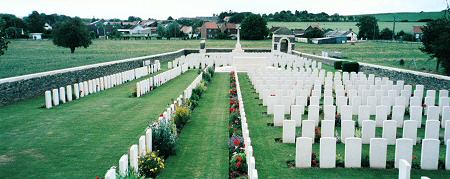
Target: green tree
point(436, 42)
point(35, 22)
point(170, 18)
point(3, 42)
point(386, 34)
point(71, 34)
point(403, 36)
point(254, 27)
point(314, 33)
point(368, 27)
point(132, 19)
point(173, 30)
point(161, 31)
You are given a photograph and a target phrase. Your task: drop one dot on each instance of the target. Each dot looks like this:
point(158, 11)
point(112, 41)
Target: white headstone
point(346, 113)
point(148, 139)
point(347, 129)
point(313, 114)
point(48, 99)
point(327, 128)
point(390, 131)
point(353, 149)
point(111, 173)
point(445, 115)
point(288, 131)
point(403, 150)
point(308, 127)
point(278, 115)
point(415, 114)
point(76, 90)
point(432, 113)
point(123, 165)
point(381, 115)
point(447, 155)
point(55, 98)
point(134, 158)
point(398, 114)
point(296, 114)
point(368, 131)
point(62, 95)
point(432, 129)
point(142, 146)
point(303, 152)
point(363, 114)
point(329, 112)
point(429, 157)
point(447, 131)
point(378, 153)
point(404, 170)
point(355, 103)
point(69, 92)
point(410, 130)
point(327, 152)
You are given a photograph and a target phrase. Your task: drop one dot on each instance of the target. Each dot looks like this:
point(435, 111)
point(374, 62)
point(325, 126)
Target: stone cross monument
point(238, 48)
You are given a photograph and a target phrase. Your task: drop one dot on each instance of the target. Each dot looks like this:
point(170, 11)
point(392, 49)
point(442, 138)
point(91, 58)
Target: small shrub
point(182, 116)
point(314, 160)
point(238, 165)
point(365, 162)
point(402, 62)
point(150, 165)
point(338, 65)
point(317, 134)
point(350, 67)
point(236, 144)
point(340, 161)
point(164, 138)
point(211, 71)
point(206, 76)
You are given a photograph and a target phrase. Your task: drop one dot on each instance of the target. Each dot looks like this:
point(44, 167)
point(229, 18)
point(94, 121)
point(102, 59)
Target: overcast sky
point(161, 9)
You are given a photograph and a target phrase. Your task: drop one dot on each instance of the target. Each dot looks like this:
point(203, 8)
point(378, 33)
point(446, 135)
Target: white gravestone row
point(82, 89)
point(145, 86)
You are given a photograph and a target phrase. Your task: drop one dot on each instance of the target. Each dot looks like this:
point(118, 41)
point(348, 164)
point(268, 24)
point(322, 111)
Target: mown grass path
point(202, 147)
point(80, 139)
point(271, 157)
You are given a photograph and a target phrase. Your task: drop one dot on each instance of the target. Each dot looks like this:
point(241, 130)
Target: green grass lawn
point(80, 139)
point(380, 53)
point(27, 56)
point(405, 26)
point(202, 146)
point(272, 157)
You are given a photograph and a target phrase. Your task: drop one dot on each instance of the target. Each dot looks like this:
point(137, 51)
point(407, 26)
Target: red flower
point(239, 158)
point(236, 142)
point(97, 177)
point(238, 164)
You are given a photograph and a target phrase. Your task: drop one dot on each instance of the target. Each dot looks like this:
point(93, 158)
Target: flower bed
point(241, 160)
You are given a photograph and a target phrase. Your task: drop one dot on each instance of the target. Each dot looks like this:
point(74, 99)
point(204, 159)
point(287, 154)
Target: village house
point(417, 32)
point(349, 35)
point(229, 29)
point(209, 30)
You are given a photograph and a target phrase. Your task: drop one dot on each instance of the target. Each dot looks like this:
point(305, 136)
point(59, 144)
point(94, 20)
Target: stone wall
point(27, 86)
point(431, 81)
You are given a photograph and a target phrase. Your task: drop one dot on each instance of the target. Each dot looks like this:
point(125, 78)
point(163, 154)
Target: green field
point(380, 53)
point(80, 139)
point(409, 16)
point(202, 150)
point(405, 26)
point(25, 57)
point(272, 157)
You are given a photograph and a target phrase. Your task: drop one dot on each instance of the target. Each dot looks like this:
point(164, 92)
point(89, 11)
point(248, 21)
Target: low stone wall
point(431, 81)
point(27, 86)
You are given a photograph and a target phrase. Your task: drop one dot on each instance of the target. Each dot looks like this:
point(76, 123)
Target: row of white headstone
point(145, 86)
point(293, 62)
point(81, 89)
point(377, 153)
point(144, 146)
point(251, 171)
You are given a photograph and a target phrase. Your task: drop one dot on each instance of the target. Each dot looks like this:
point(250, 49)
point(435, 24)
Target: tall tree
point(436, 42)
point(254, 27)
point(368, 27)
point(3, 42)
point(132, 19)
point(71, 34)
point(35, 22)
point(386, 34)
point(170, 18)
point(314, 33)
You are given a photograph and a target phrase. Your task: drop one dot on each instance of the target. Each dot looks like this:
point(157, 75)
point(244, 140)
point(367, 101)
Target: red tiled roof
point(417, 29)
point(210, 25)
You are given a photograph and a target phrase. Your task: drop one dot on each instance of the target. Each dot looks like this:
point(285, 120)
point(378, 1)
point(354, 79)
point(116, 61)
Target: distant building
point(349, 35)
point(329, 40)
point(227, 18)
point(283, 40)
point(188, 30)
point(298, 32)
point(47, 27)
point(209, 30)
point(228, 28)
point(418, 33)
point(35, 36)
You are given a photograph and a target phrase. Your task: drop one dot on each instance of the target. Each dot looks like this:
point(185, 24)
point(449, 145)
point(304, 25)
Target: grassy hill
point(407, 16)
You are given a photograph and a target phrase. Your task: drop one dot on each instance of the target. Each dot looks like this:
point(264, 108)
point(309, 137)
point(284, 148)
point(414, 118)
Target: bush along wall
point(146, 160)
point(238, 164)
